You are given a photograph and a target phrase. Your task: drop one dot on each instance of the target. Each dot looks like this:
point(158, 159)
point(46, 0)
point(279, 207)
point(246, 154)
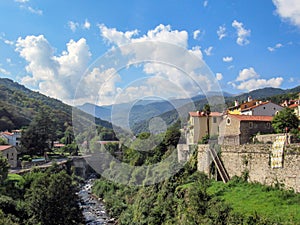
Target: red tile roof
point(253, 118)
point(5, 147)
point(7, 133)
point(200, 114)
point(252, 107)
point(293, 105)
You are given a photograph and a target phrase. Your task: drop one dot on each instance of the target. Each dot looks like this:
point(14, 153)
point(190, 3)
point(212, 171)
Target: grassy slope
point(268, 202)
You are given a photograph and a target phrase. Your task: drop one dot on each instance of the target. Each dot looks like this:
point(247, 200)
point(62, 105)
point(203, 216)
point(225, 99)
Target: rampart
point(255, 159)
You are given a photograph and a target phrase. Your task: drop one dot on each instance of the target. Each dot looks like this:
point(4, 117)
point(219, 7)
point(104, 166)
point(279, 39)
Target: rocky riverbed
point(93, 209)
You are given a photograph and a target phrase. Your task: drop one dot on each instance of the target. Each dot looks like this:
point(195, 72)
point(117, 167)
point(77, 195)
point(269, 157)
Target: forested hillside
point(19, 105)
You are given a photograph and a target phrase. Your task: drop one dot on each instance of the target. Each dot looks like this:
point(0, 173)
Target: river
point(93, 209)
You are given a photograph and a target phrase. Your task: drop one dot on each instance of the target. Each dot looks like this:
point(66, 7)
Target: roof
point(255, 106)
point(201, 114)
point(253, 118)
point(293, 105)
point(5, 147)
point(7, 133)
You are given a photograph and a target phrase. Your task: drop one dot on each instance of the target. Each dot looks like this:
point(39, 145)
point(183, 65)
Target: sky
point(105, 52)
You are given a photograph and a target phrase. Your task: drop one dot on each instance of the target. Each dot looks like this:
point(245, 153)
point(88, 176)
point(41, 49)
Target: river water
point(93, 209)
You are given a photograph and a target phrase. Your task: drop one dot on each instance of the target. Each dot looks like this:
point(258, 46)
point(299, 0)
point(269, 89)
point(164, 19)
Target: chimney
point(249, 99)
point(236, 103)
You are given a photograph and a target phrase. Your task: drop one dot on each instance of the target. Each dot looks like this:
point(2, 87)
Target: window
point(268, 125)
point(250, 125)
point(228, 121)
point(214, 119)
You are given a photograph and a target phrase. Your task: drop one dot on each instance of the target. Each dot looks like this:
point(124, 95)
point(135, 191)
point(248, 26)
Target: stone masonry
point(256, 159)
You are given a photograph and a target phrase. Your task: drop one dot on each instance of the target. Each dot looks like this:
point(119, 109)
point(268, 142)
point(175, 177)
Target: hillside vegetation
point(19, 105)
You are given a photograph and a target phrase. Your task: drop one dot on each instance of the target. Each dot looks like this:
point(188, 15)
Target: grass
point(250, 198)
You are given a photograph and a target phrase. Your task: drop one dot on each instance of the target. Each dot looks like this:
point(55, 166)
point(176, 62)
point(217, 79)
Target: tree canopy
point(285, 119)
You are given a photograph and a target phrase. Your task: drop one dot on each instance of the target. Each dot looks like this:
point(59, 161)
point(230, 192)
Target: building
point(237, 108)
point(262, 109)
point(296, 108)
point(197, 126)
point(10, 152)
point(240, 129)
point(12, 138)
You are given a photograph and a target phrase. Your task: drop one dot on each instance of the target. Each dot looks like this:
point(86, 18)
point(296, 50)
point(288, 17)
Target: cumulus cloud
point(208, 51)
point(219, 76)
point(161, 54)
point(277, 46)
point(221, 32)
point(253, 84)
point(196, 34)
point(56, 76)
point(227, 59)
point(248, 79)
point(242, 33)
point(288, 10)
point(246, 74)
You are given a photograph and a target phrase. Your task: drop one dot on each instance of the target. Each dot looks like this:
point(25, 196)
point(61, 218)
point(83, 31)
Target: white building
point(262, 109)
point(12, 138)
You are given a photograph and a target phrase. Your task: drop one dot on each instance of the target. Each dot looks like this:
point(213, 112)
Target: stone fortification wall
point(256, 158)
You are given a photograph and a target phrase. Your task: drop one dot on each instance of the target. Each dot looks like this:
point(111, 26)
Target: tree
point(4, 167)
point(3, 141)
point(207, 112)
point(52, 199)
point(40, 134)
point(285, 119)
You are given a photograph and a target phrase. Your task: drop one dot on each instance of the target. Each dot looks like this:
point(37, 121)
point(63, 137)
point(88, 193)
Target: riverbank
point(92, 208)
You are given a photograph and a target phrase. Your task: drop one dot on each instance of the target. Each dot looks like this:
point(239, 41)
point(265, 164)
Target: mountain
point(274, 94)
point(19, 105)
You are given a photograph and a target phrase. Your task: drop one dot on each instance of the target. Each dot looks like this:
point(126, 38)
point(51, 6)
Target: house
point(296, 108)
point(12, 138)
point(197, 126)
point(262, 109)
point(239, 129)
point(237, 108)
point(10, 152)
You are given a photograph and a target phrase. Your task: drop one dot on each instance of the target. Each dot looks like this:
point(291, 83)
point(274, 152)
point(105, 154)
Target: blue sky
point(48, 45)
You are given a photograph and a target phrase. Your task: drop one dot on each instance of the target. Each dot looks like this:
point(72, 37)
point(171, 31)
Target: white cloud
point(253, 84)
point(6, 41)
point(221, 32)
point(208, 51)
point(60, 74)
point(35, 11)
point(249, 80)
point(227, 59)
point(4, 71)
point(73, 25)
point(288, 10)
point(242, 33)
point(219, 76)
point(86, 24)
point(22, 1)
point(196, 34)
point(56, 76)
point(205, 3)
point(162, 33)
point(277, 46)
point(246, 74)
point(291, 80)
